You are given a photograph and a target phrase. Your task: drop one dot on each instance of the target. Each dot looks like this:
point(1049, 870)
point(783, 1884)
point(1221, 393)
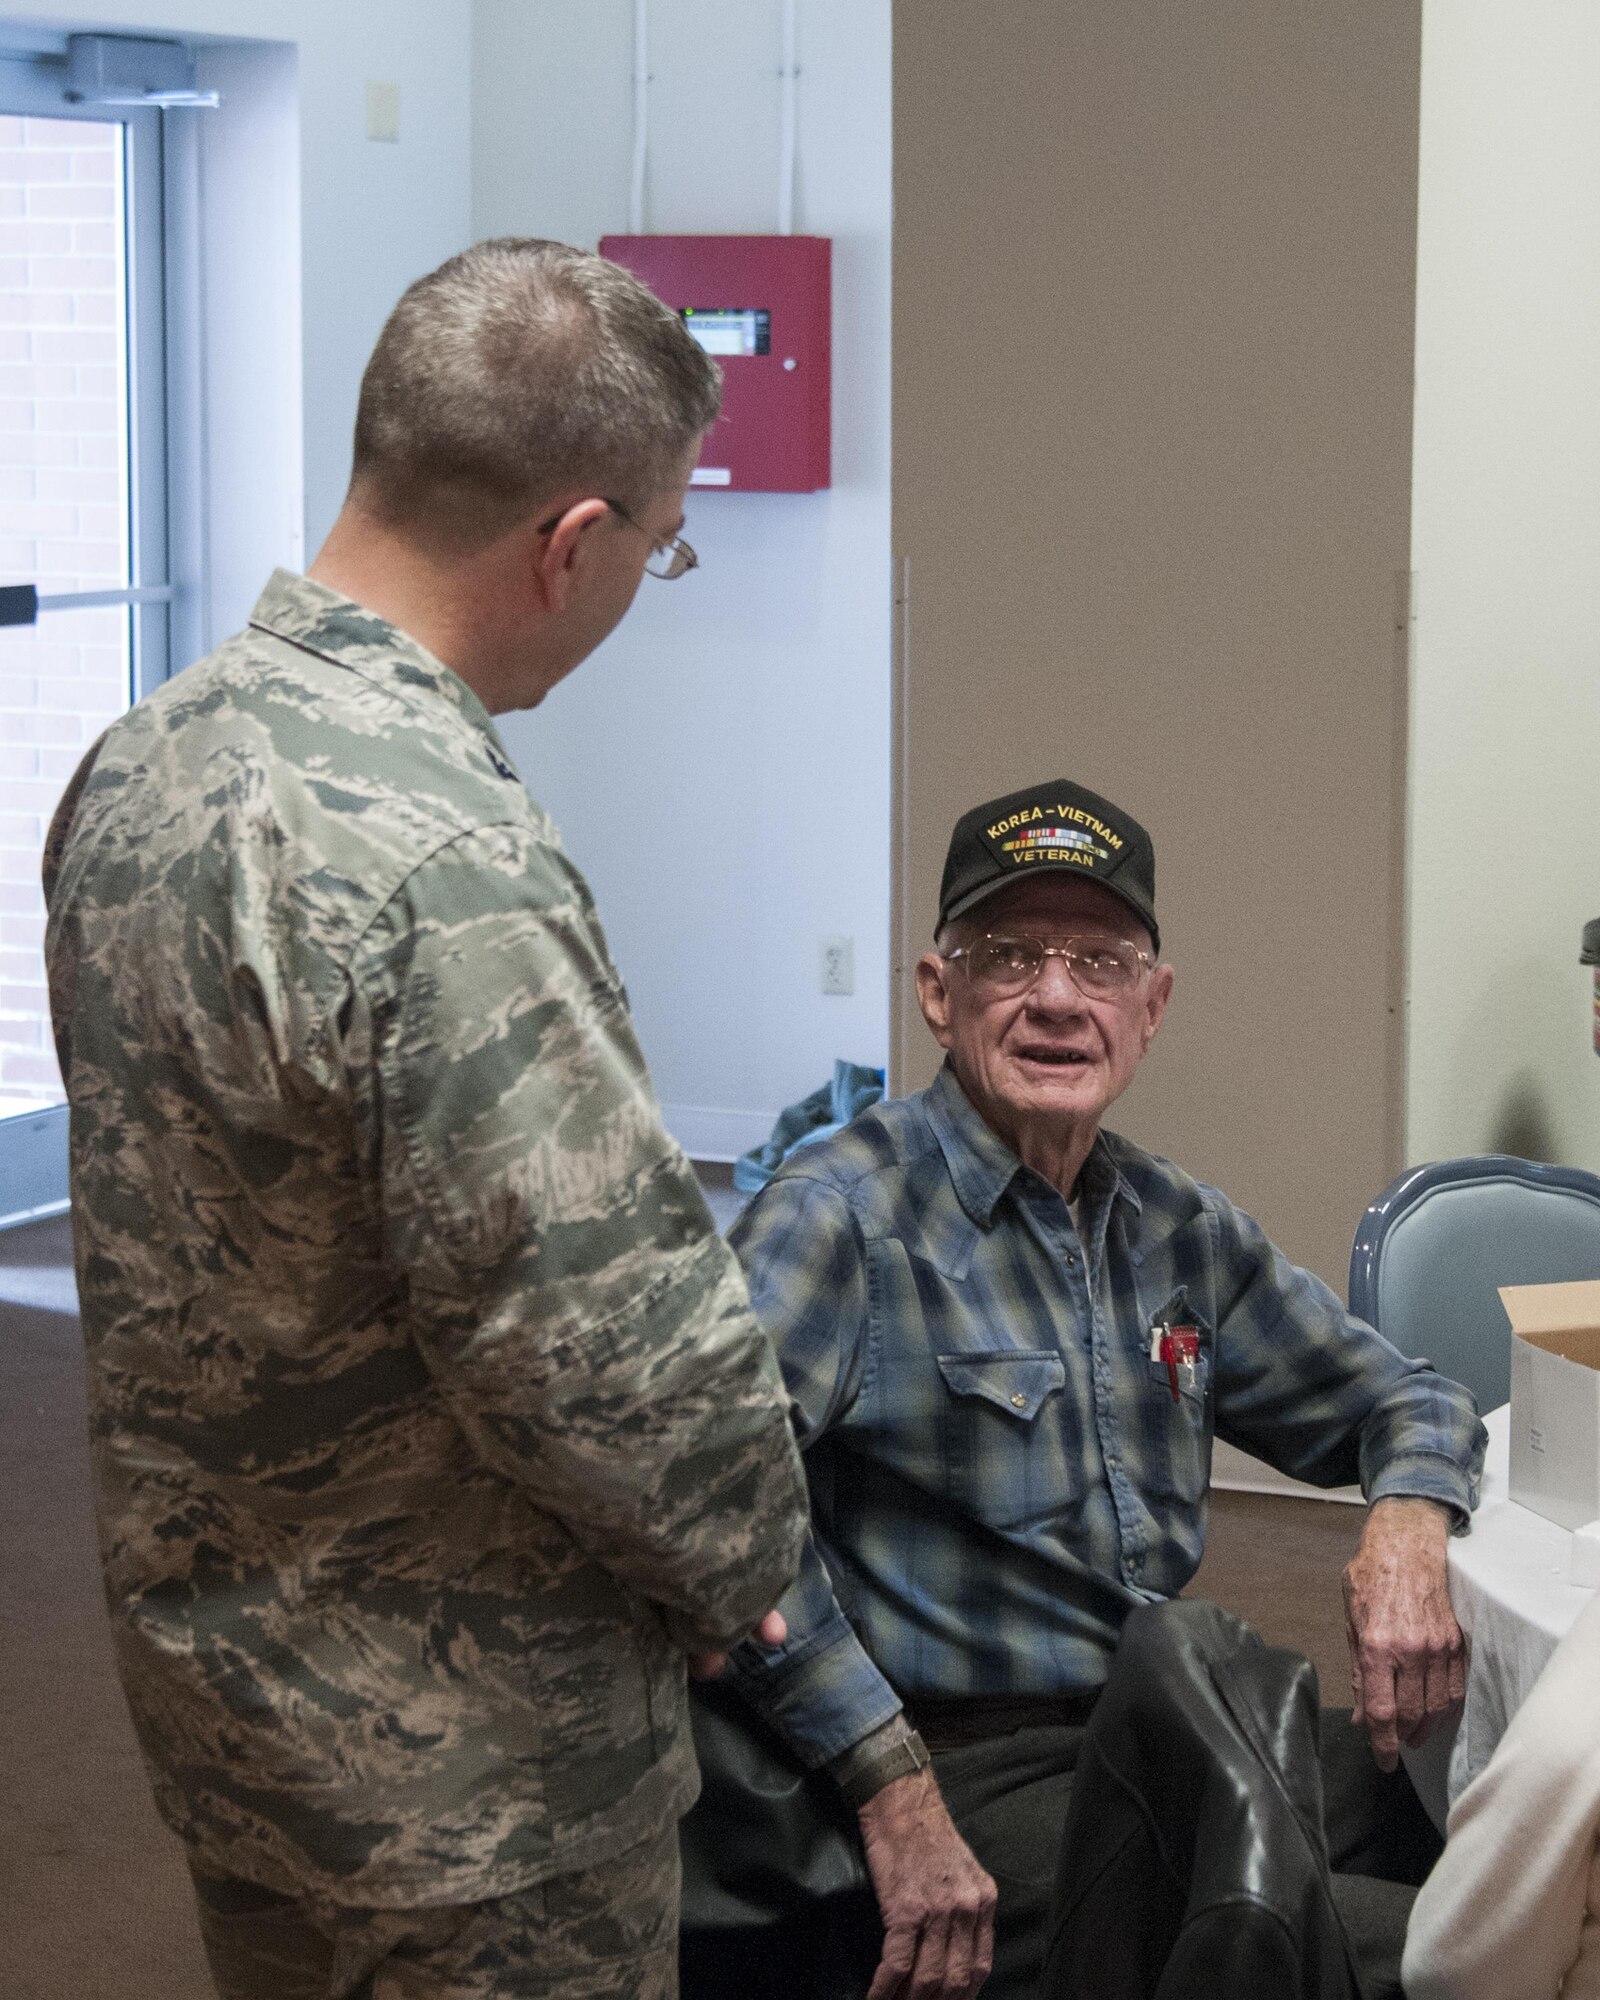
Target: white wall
point(368, 218)
point(720, 769)
point(249, 443)
point(1505, 748)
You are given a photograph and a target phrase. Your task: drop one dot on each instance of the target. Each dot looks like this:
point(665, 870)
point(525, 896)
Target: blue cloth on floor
point(830, 1106)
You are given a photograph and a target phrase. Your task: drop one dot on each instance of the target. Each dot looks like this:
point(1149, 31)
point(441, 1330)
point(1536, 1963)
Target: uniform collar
point(982, 1166)
point(337, 629)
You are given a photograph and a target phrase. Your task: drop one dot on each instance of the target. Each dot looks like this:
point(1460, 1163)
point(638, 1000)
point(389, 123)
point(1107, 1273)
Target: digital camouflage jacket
point(431, 1425)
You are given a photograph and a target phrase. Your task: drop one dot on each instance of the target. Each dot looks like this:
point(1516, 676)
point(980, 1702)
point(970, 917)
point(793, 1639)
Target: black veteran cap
point(1049, 826)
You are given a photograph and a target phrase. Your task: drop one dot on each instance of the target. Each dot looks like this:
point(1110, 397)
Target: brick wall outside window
point(63, 524)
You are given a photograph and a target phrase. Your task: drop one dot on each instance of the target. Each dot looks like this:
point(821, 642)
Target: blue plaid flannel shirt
point(998, 1470)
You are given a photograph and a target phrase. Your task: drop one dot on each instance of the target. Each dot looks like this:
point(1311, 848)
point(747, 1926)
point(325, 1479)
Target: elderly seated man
point(1010, 1335)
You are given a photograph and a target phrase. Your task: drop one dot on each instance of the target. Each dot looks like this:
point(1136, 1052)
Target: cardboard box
point(1555, 1399)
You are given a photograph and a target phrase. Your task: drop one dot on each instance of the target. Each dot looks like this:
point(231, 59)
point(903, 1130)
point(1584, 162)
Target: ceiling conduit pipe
point(788, 103)
point(641, 115)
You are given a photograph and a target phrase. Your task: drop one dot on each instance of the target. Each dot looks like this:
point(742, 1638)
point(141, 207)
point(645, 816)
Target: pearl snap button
point(1021, 1402)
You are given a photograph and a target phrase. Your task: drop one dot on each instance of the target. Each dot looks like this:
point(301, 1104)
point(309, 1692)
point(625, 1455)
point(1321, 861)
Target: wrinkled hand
point(772, 1631)
point(1408, 1659)
point(937, 1904)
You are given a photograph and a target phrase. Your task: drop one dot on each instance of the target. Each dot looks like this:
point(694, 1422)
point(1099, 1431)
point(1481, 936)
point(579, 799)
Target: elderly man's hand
point(1408, 1659)
point(936, 1902)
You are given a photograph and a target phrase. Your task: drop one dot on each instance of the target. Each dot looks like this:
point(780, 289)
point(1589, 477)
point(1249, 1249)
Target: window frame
point(35, 87)
point(162, 362)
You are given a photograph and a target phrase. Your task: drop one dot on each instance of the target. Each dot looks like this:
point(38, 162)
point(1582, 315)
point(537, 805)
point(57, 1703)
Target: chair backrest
point(1433, 1249)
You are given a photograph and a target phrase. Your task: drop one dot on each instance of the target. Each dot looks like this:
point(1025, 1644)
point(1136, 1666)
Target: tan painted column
point(1154, 281)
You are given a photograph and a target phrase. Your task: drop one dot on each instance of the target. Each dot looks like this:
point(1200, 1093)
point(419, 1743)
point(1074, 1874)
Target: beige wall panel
point(1154, 278)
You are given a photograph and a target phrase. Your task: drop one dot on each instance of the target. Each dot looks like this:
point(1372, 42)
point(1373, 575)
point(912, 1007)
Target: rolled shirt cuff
point(822, 1697)
point(1429, 1475)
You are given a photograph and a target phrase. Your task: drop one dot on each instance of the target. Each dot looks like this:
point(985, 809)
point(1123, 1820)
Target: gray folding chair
point(1432, 1250)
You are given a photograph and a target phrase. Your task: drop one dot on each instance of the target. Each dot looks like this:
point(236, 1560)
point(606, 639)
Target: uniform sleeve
point(1511, 1911)
point(1316, 1392)
point(806, 1266)
point(589, 1329)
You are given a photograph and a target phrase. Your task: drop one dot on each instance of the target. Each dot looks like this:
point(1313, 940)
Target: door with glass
point(83, 543)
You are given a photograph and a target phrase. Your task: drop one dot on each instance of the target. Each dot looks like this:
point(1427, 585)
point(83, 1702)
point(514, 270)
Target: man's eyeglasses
point(1101, 968)
point(669, 559)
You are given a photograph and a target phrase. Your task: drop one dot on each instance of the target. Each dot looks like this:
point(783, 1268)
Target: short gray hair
point(516, 370)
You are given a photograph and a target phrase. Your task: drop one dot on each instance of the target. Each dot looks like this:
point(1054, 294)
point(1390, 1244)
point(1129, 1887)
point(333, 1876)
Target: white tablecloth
point(1508, 1583)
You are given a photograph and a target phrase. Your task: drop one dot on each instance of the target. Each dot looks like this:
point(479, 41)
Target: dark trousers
point(1008, 1797)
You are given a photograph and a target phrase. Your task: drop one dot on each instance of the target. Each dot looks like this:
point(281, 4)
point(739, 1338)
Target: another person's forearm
point(1509, 1913)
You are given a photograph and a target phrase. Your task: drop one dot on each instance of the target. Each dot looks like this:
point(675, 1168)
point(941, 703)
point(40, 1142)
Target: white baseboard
point(1236, 1471)
point(708, 1132)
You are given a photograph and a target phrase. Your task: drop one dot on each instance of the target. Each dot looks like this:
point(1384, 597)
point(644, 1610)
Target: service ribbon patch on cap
point(1065, 835)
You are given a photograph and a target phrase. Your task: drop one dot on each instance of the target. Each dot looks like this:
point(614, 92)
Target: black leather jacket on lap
point(777, 1904)
point(1193, 1863)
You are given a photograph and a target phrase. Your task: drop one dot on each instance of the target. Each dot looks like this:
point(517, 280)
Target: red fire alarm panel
point(763, 306)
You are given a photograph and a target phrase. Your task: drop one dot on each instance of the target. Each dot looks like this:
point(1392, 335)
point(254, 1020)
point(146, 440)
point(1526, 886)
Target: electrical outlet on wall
point(838, 965)
point(383, 110)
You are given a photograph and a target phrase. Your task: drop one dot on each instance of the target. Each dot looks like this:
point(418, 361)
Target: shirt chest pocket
point(1179, 1384)
point(1001, 1464)
point(1178, 1448)
point(1177, 1344)
point(1016, 1380)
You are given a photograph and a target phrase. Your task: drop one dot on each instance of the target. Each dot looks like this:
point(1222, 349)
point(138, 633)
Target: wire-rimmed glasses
point(1101, 968)
point(669, 559)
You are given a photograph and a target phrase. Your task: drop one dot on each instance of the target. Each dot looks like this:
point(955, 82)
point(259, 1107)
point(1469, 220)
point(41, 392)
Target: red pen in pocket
point(1179, 1348)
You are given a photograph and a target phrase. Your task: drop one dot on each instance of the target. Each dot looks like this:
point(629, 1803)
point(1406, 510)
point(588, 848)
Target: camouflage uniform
point(431, 1425)
point(608, 1933)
